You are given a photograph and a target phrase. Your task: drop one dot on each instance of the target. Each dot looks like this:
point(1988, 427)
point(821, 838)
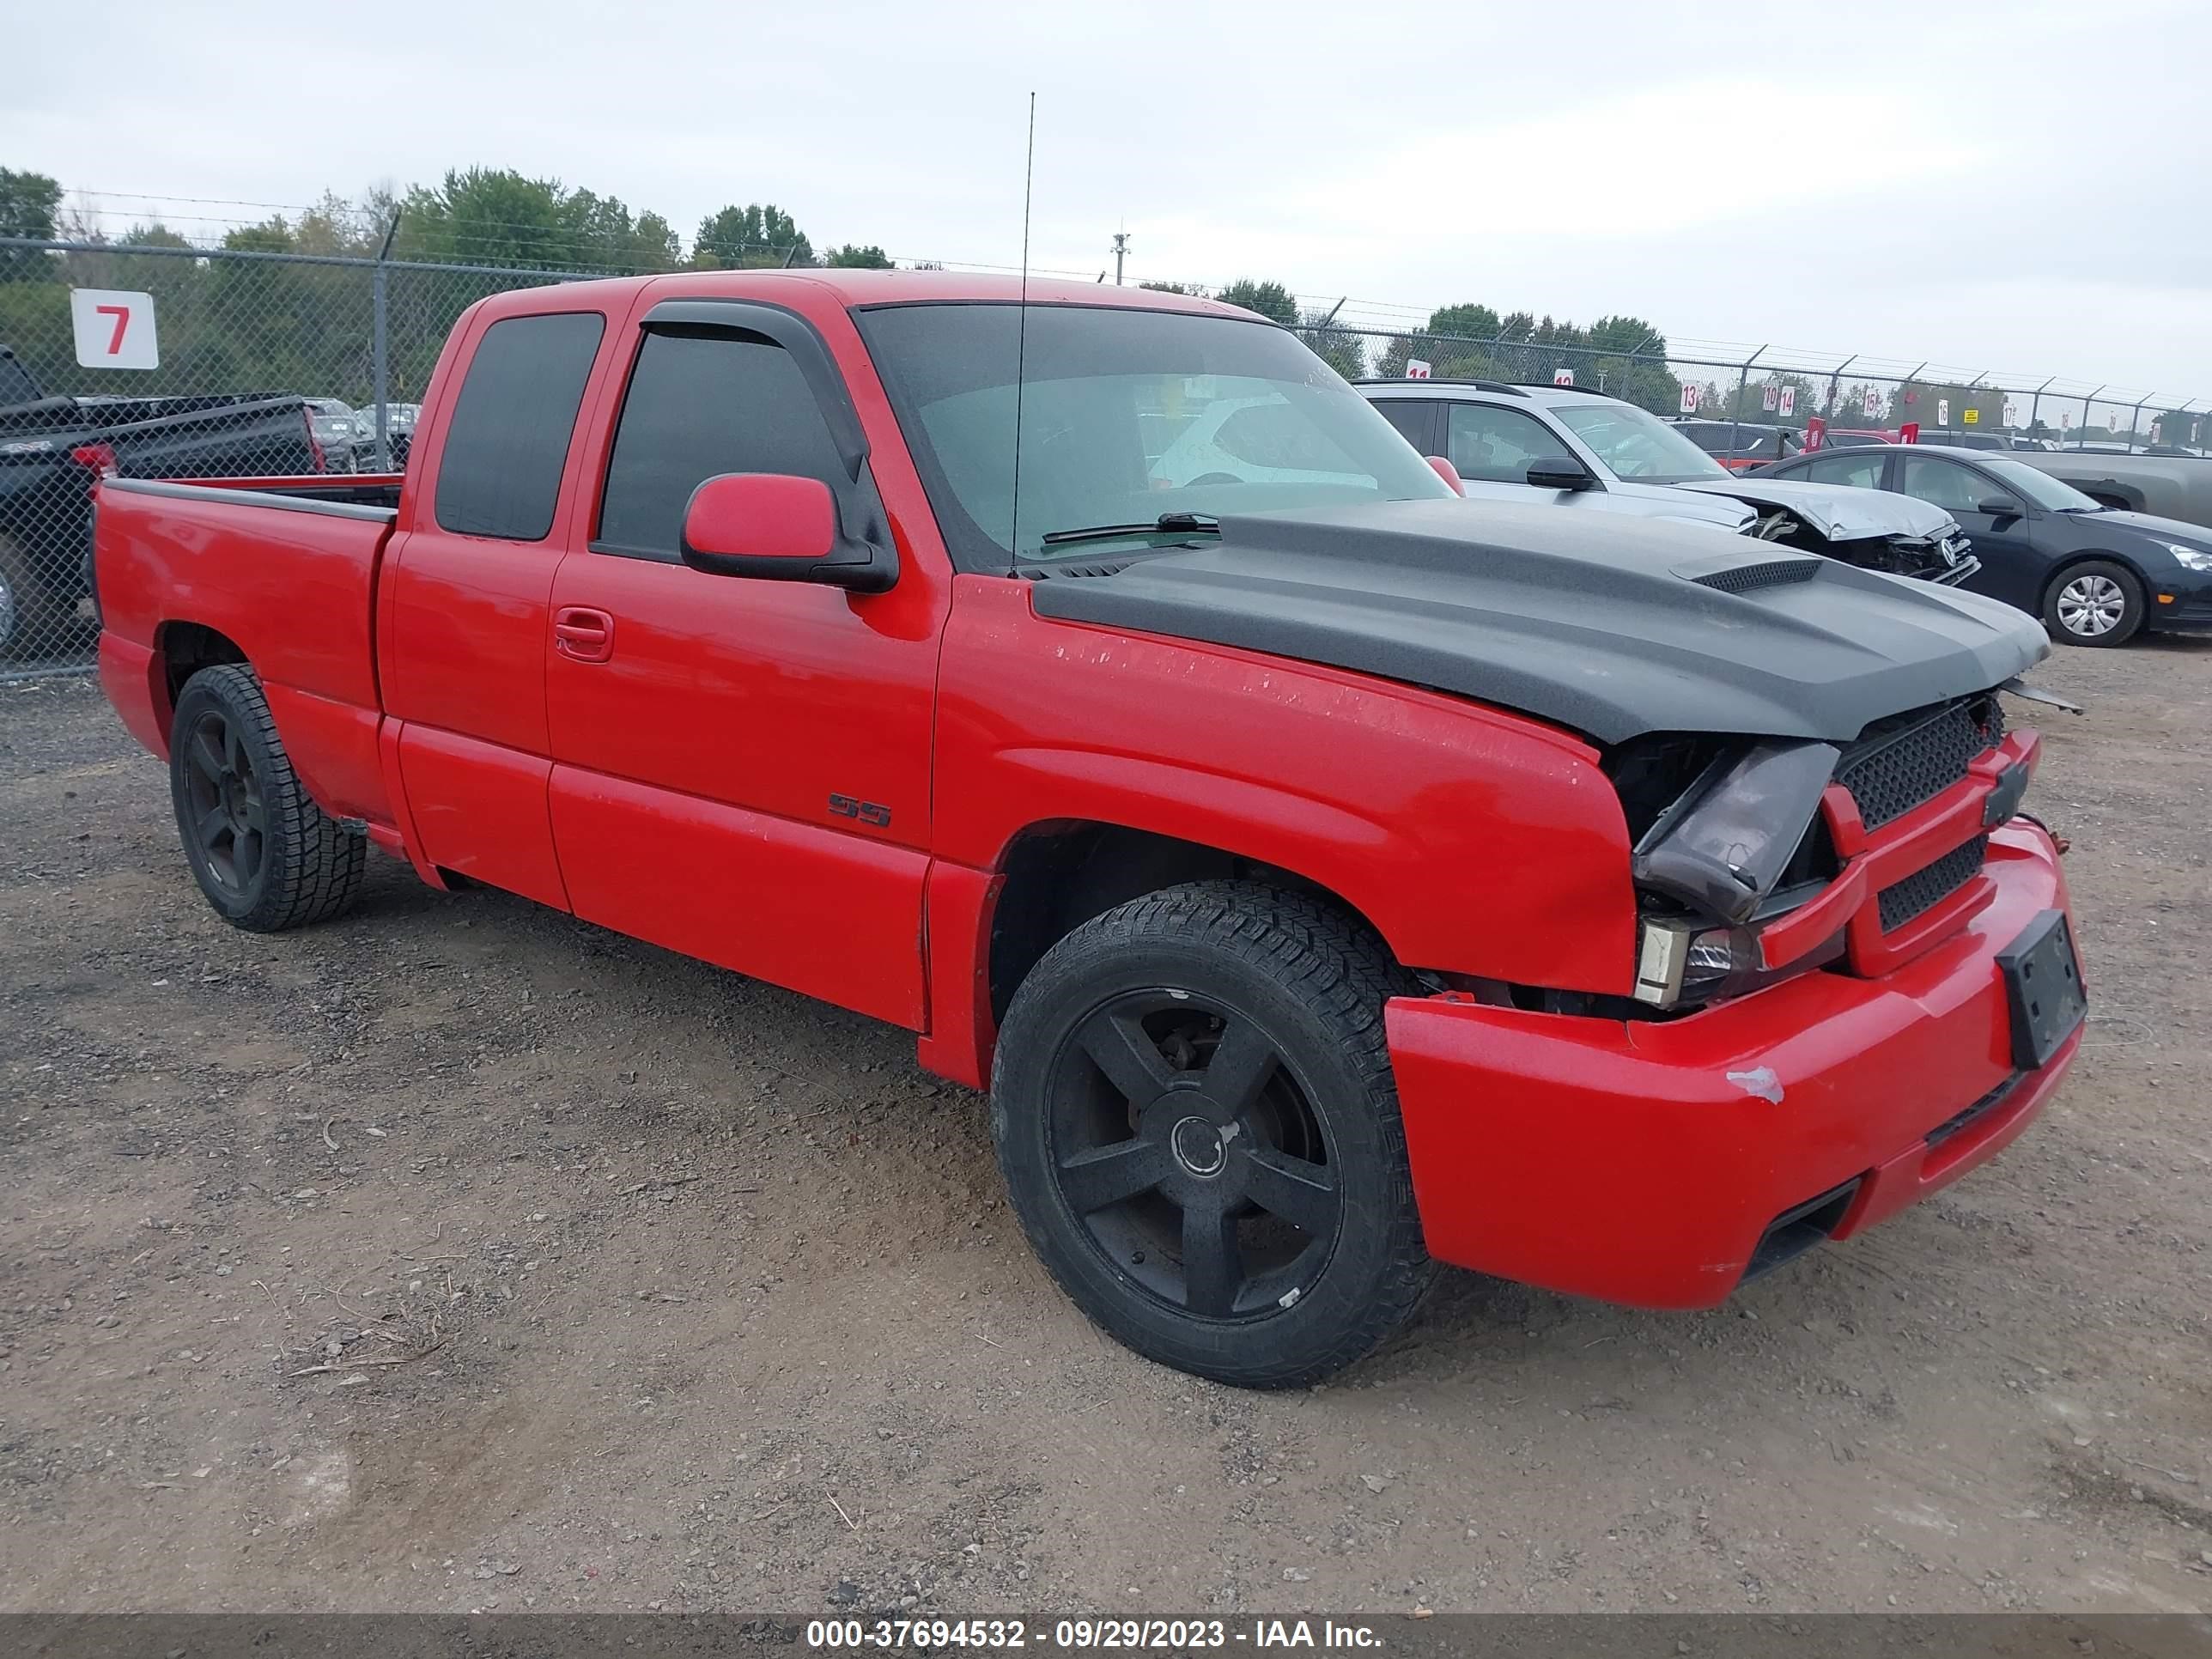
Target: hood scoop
point(1768, 572)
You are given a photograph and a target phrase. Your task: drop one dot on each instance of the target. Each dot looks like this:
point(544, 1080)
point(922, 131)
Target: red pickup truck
point(1326, 876)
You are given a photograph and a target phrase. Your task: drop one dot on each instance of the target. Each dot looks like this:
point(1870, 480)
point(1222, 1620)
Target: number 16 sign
point(115, 328)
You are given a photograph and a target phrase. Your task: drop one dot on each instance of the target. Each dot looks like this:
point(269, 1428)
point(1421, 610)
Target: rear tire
point(2096, 603)
point(265, 856)
point(1195, 1115)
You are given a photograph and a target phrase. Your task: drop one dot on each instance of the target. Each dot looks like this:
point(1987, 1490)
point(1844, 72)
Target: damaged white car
point(1580, 449)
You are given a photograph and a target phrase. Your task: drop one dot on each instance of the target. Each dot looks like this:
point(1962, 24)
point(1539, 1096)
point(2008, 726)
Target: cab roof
point(858, 288)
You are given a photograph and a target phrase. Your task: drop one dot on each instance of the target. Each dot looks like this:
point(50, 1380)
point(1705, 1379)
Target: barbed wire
point(562, 250)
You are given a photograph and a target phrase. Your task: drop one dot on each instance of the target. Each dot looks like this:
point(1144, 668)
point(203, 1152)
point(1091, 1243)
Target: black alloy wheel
point(1193, 1107)
point(228, 833)
point(1184, 1144)
point(266, 856)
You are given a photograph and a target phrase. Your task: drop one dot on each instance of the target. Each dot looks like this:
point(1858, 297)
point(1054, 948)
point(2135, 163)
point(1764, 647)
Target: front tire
point(2095, 603)
point(1195, 1115)
point(265, 856)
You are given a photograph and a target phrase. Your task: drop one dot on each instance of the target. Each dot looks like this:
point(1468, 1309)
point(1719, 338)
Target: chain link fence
point(1743, 405)
point(228, 363)
point(245, 363)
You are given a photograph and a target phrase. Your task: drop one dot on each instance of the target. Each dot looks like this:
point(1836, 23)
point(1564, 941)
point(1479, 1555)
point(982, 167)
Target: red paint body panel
point(130, 674)
point(1475, 842)
point(1620, 1160)
point(666, 751)
point(479, 809)
point(291, 590)
point(756, 894)
point(959, 1042)
point(333, 746)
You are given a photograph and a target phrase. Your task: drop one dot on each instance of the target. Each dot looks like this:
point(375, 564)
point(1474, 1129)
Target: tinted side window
point(1949, 486)
point(1412, 416)
point(1859, 468)
point(1713, 439)
point(701, 404)
point(1495, 446)
point(501, 471)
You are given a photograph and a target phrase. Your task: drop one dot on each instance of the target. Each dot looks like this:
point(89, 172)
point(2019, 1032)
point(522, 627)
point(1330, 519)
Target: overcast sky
point(2021, 186)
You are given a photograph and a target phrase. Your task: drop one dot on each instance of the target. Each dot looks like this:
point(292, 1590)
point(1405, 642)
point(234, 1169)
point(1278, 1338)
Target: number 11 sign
point(115, 328)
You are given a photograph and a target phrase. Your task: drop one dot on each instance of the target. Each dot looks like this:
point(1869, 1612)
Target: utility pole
point(1120, 247)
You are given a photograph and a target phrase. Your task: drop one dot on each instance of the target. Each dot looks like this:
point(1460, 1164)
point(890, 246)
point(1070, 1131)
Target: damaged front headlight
point(1724, 855)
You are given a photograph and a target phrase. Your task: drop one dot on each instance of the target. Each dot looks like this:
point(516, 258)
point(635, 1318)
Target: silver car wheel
point(2091, 607)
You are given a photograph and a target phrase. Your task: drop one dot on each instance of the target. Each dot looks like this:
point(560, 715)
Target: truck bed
point(280, 573)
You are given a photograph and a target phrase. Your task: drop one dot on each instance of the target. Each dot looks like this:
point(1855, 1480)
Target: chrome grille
point(1890, 772)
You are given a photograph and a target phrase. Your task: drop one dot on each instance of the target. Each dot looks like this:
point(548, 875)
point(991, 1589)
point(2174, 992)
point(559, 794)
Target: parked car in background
point(1943, 437)
point(1853, 437)
point(399, 433)
point(53, 446)
point(2165, 486)
point(1738, 445)
point(2096, 575)
point(1558, 446)
point(332, 420)
point(1255, 440)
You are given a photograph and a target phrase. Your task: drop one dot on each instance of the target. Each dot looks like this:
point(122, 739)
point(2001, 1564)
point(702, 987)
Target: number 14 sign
point(115, 328)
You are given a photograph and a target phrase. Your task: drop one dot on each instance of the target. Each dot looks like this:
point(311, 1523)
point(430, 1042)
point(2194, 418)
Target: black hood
point(1614, 630)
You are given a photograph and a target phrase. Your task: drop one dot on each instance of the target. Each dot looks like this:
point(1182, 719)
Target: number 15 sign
point(114, 329)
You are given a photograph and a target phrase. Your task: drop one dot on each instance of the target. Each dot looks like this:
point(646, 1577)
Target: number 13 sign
point(114, 329)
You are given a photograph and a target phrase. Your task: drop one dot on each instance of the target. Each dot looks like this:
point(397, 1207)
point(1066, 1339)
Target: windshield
point(1126, 416)
point(1635, 445)
point(2039, 487)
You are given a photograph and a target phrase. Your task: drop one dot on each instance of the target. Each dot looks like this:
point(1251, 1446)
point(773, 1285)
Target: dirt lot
point(728, 1312)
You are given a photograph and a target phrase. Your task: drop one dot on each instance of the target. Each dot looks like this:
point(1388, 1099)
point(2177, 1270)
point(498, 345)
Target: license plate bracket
point(2043, 983)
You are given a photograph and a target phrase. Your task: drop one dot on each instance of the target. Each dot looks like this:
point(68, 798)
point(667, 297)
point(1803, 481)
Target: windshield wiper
point(1170, 523)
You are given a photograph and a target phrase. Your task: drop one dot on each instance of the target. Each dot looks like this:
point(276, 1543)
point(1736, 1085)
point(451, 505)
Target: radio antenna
point(1022, 341)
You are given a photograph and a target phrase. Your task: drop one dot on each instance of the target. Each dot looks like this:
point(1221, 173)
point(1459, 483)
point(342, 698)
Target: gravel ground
point(459, 1255)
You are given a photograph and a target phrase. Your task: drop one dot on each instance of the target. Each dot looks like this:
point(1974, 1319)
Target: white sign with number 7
point(115, 328)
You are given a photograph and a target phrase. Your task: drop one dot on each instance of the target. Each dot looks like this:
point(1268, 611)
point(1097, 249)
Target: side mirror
point(1560, 472)
point(1998, 509)
point(776, 528)
point(1444, 470)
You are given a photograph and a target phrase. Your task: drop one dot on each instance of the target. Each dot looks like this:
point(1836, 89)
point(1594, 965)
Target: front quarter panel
point(1476, 842)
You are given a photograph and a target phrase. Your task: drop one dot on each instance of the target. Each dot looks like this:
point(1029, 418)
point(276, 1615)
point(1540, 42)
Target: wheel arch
point(181, 649)
point(1056, 874)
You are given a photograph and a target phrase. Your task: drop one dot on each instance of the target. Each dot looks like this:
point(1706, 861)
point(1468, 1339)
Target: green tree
point(854, 257)
point(1465, 321)
point(27, 201)
point(1271, 299)
point(1172, 287)
point(498, 217)
point(757, 237)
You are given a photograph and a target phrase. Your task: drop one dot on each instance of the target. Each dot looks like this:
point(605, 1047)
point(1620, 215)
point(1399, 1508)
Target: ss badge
point(867, 811)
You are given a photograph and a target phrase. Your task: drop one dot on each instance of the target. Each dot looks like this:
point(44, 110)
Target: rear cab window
point(507, 444)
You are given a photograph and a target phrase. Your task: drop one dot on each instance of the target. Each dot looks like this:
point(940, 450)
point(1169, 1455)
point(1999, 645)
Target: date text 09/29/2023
point(1172, 1635)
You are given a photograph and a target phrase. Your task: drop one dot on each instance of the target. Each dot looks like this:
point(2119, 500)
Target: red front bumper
point(1643, 1162)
